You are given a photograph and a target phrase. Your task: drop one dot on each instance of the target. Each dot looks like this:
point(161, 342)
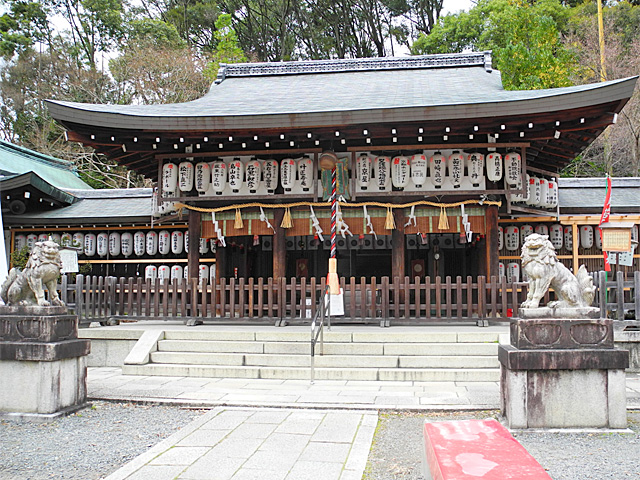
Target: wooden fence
point(389, 302)
point(618, 297)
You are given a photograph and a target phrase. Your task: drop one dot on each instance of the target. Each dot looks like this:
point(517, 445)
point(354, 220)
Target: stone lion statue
point(26, 287)
point(544, 270)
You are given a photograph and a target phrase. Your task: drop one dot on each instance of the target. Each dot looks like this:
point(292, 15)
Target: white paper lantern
point(77, 240)
point(218, 176)
point(186, 272)
point(164, 242)
point(542, 229)
point(177, 242)
point(32, 239)
point(212, 275)
point(513, 166)
point(494, 166)
point(517, 197)
point(419, 169)
point(139, 244)
point(555, 236)
point(363, 171)
point(43, 237)
point(254, 172)
point(525, 231)
point(383, 172)
point(437, 168)
point(400, 171)
point(544, 193)
point(501, 270)
point(185, 176)
point(114, 244)
point(586, 236)
point(236, 175)
point(152, 243)
point(66, 240)
point(150, 272)
point(568, 237)
point(164, 273)
point(552, 194)
point(512, 238)
point(126, 244)
point(287, 174)
point(103, 244)
point(513, 272)
point(169, 177)
point(186, 241)
point(305, 174)
point(456, 169)
point(534, 191)
point(500, 237)
point(202, 177)
point(176, 272)
point(203, 272)
point(204, 246)
point(634, 233)
point(55, 237)
point(475, 167)
point(90, 244)
point(270, 175)
point(598, 239)
point(20, 241)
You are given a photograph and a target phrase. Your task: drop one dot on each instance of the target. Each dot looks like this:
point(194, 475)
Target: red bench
point(476, 449)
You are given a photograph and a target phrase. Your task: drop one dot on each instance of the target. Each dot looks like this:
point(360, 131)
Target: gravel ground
point(87, 445)
point(396, 451)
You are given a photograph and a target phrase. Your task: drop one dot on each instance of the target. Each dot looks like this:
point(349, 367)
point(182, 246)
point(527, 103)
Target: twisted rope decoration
point(334, 213)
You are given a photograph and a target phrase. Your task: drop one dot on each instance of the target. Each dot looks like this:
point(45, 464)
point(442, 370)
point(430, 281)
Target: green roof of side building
point(15, 160)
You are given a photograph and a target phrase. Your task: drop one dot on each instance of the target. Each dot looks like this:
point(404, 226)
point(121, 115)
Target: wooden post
point(279, 246)
point(491, 240)
point(221, 262)
point(574, 251)
point(398, 245)
point(193, 257)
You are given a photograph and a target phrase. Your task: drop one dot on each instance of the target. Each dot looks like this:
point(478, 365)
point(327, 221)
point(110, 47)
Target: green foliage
point(227, 49)
point(20, 257)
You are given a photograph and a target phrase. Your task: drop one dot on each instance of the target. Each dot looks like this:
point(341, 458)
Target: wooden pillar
point(279, 246)
point(221, 262)
point(398, 245)
point(193, 257)
point(491, 240)
point(574, 247)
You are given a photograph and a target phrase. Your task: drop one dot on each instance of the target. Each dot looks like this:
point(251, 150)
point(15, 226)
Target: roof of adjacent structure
point(588, 194)
point(15, 160)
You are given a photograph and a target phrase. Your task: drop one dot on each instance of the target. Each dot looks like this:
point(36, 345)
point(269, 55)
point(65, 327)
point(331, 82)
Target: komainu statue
point(26, 287)
point(544, 270)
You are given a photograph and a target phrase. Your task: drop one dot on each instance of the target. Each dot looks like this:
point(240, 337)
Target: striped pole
point(334, 212)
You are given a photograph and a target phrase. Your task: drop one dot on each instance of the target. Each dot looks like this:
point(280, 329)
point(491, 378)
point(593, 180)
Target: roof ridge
point(39, 157)
point(447, 60)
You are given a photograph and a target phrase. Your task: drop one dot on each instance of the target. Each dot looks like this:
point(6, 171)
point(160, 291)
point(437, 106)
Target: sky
point(454, 6)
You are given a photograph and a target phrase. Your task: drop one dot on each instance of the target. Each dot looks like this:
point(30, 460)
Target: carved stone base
point(559, 313)
point(549, 333)
point(38, 328)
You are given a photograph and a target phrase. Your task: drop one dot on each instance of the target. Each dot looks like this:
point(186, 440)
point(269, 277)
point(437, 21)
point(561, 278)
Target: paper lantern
point(103, 244)
point(186, 241)
point(513, 166)
point(164, 273)
point(568, 237)
point(456, 169)
point(542, 229)
point(169, 177)
point(185, 176)
point(501, 270)
point(236, 175)
point(555, 236)
point(634, 233)
point(383, 172)
point(90, 244)
point(126, 244)
point(494, 166)
point(218, 176)
point(139, 244)
point(77, 240)
point(43, 237)
point(544, 193)
point(475, 168)
point(203, 272)
point(66, 240)
point(32, 238)
point(512, 238)
point(419, 169)
point(287, 174)
point(164, 242)
point(552, 194)
point(202, 177)
point(254, 172)
point(270, 175)
point(513, 272)
point(363, 171)
point(305, 174)
point(177, 242)
point(534, 191)
point(186, 272)
point(55, 237)
point(400, 171)
point(204, 246)
point(150, 272)
point(525, 231)
point(500, 237)
point(114, 244)
point(212, 275)
point(518, 197)
point(176, 272)
point(437, 168)
point(20, 241)
point(598, 239)
point(152, 243)
point(586, 236)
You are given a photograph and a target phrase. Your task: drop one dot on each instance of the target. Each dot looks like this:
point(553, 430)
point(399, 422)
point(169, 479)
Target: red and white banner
point(604, 218)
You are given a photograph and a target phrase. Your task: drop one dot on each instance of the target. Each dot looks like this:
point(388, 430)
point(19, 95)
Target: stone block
point(38, 328)
point(563, 359)
point(44, 352)
point(147, 343)
point(556, 333)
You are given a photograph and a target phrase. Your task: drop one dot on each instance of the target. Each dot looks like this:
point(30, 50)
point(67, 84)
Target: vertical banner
point(604, 218)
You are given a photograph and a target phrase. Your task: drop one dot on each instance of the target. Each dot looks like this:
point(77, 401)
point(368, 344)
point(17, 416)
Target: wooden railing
point(389, 302)
point(619, 298)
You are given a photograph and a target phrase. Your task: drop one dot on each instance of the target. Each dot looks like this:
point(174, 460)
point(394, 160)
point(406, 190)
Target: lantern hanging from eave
point(56, 237)
point(114, 244)
point(305, 173)
point(177, 242)
point(164, 273)
point(66, 240)
point(176, 272)
point(139, 244)
point(513, 272)
point(77, 240)
point(186, 241)
point(555, 236)
point(500, 237)
point(475, 167)
point(204, 246)
point(126, 244)
point(102, 244)
point(400, 171)
point(525, 231)
point(164, 242)
point(236, 174)
point(90, 244)
point(254, 172)
point(169, 177)
point(544, 193)
point(534, 184)
point(456, 168)
point(419, 169)
point(383, 172)
point(512, 238)
point(185, 176)
point(542, 229)
point(568, 237)
point(494, 166)
point(513, 165)
point(203, 272)
point(287, 174)
point(634, 233)
point(32, 239)
point(518, 197)
point(552, 195)
point(218, 176)
point(363, 171)
point(586, 236)
point(437, 168)
point(43, 237)
point(501, 270)
point(150, 272)
point(152, 243)
point(598, 239)
point(270, 175)
point(20, 241)
point(202, 177)
point(185, 272)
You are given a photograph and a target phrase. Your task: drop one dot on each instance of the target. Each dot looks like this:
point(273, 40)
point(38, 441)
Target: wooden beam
point(435, 146)
point(236, 153)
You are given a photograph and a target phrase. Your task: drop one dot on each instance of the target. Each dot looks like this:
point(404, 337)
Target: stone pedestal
point(562, 373)
point(42, 363)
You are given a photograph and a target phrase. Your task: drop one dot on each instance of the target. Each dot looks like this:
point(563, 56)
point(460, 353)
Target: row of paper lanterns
point(511, 271)
point(513, 237)
point(115, 244)
point(166, 272)
point(540, 192)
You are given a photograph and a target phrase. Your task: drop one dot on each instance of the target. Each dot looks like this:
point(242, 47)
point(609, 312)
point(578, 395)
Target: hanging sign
point(525, 231)
point(126, 244)
point(270, 169)
point(383, 172)
point(89, 244)
point(555, 236)
point(568, 237)
point(456, 169)
point(500, 237)
point(69, 259)
point(586, 236)
point(512, 238)
point(513, 165)
point(475, 167)
point(437, 167)
point(287, 174)
point(363, 171)
point(139, 244)
point(419, 168)
point(185, 176)
point(103, 244)
point(494, 167)
point(400, 171)
point(236, 174)
point(625, 259)
point(305, 173)
point(152, 243)
point(254, 171)
point(542, 229)
point(164, 242)
point(203, 177)
point(177, 242)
